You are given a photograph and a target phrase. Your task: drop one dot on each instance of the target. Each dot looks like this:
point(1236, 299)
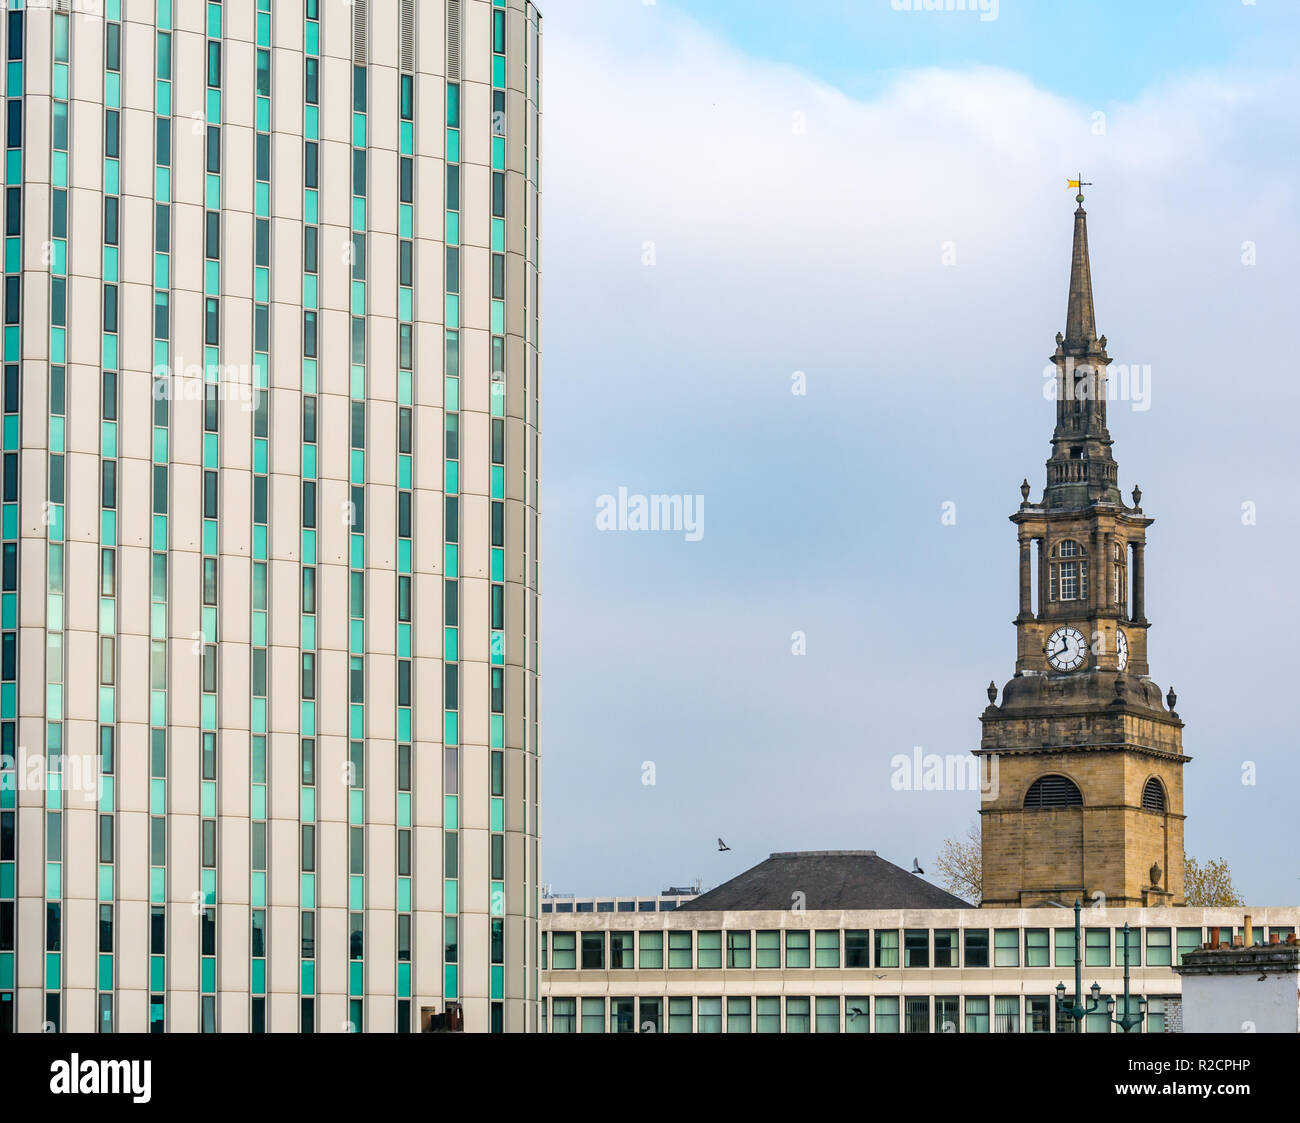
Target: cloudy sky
point(735, 192)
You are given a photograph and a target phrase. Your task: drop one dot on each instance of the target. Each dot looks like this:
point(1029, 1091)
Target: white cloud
point(821, 251)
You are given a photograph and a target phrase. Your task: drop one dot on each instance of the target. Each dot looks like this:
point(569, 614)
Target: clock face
point(1066, 649)
point(1121, 648)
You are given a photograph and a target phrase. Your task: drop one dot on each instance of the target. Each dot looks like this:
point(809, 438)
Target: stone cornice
point(1110, 747)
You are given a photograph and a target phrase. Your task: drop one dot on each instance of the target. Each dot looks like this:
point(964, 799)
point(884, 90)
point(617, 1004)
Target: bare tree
point(1209, 885)
point(959, 866)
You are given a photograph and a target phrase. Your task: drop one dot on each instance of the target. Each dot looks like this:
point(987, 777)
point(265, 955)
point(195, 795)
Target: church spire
point(1081, 470)
point(1080, 326)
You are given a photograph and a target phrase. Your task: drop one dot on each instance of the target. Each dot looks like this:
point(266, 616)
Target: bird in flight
point(916, 866)
point(722, 845)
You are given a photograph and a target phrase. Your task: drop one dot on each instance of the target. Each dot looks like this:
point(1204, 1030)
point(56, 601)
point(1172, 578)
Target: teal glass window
point(1036, 948)
point(797, 948)
point(737, 949)
point(887, 948)
point(679, 949)
point(1006, 947)
point(1096, 947)
point(828, 947)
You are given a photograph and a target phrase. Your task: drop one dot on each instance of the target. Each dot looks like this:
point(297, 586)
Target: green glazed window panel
point(1096, 947)
point(796, 949)
point(157, 885)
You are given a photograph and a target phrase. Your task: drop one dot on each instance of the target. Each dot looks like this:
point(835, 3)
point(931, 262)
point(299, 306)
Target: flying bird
point(854, 1011)
point(722, 845)
point(916, 866)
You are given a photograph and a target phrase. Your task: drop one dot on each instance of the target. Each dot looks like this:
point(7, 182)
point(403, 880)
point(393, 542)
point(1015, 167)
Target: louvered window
point(1153, 796)
point(1053, 791)
point(453, 40)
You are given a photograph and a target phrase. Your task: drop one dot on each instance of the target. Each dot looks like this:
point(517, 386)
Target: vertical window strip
point(308, 654)
point(214, 394)
point(55, 523)
point(451, 557)
point(356, 517)
point(261, 504)
point(405, 444)
point(496, 548)
point(14, 53)
point(159, 559)
point(528, 809)
point(106, 946)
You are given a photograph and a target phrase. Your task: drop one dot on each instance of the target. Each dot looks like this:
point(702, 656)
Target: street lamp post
point(1072, 1009)
point(1127, 1020)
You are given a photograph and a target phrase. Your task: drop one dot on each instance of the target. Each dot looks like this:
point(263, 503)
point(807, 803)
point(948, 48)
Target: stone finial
point(993, 692)
point(1102, 341)
point(1172, 699)
point(1119, 685)
point(1024, 490)
point(1155, 871)
point(1137, 496)
point(1059, 339)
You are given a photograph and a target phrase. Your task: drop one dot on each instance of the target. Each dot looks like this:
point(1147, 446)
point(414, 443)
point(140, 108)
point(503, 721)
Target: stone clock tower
point(1084, 759)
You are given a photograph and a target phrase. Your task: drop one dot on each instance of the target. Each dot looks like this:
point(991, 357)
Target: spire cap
point(1080, 320)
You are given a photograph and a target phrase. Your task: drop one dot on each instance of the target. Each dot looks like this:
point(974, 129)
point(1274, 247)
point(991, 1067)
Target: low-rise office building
point(844, 941)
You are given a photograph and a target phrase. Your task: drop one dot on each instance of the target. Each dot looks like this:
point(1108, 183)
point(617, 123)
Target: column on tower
point(1042, 575)
point(1026, 581)
point(1139, 598)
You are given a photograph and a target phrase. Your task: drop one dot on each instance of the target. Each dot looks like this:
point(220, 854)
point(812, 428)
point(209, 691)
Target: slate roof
point(828, 879)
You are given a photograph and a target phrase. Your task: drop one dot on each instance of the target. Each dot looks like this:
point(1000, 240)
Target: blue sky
point(876, 199)
point(1092, 49)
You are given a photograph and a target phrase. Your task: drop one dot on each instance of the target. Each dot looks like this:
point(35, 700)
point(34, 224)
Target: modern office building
point(269, 694)
point(666, 901)
point(844, 941)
